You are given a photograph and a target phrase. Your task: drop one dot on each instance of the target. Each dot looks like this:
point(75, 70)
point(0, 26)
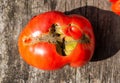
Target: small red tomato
point(116, 7)
point(52, 39)
point(113, 1)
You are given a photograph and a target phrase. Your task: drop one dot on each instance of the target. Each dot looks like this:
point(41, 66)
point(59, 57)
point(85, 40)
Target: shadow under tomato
point(106, 27)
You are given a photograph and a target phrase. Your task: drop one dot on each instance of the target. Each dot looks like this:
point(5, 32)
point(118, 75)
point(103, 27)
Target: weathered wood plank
point(105, 64)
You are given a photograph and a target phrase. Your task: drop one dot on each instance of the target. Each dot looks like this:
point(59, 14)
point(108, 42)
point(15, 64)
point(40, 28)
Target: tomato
point(116, 6)
point(113, 1)
point(52, 40)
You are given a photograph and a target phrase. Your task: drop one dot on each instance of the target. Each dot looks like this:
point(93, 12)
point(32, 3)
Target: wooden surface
point(105, 64)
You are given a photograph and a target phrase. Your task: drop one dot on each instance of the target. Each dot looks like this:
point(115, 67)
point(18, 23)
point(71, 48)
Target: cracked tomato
point(52, 39)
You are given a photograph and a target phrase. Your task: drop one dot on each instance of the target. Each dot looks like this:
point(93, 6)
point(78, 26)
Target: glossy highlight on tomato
point(52, 40)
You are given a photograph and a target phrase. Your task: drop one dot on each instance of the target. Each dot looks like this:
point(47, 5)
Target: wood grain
point(105, 64)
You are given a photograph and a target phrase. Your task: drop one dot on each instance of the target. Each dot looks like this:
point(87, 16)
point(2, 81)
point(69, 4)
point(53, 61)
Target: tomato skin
point(82, 53)
point(116, 6)
point(113, 1)
point(43, 54)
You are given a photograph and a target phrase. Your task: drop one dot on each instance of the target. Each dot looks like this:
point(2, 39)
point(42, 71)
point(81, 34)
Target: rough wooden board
point(105, 64)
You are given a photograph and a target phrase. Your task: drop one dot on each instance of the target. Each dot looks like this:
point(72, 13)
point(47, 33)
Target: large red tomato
point(51, 40)
point(115, 6)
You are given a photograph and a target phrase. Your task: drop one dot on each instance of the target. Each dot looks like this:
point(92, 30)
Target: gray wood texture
point(105, 64)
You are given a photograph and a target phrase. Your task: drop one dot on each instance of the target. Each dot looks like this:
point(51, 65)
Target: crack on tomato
point(70, 45)
point(59, 40)
point(64, 44)
point(60, 46)
point(27, 40)
point(84, 39)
